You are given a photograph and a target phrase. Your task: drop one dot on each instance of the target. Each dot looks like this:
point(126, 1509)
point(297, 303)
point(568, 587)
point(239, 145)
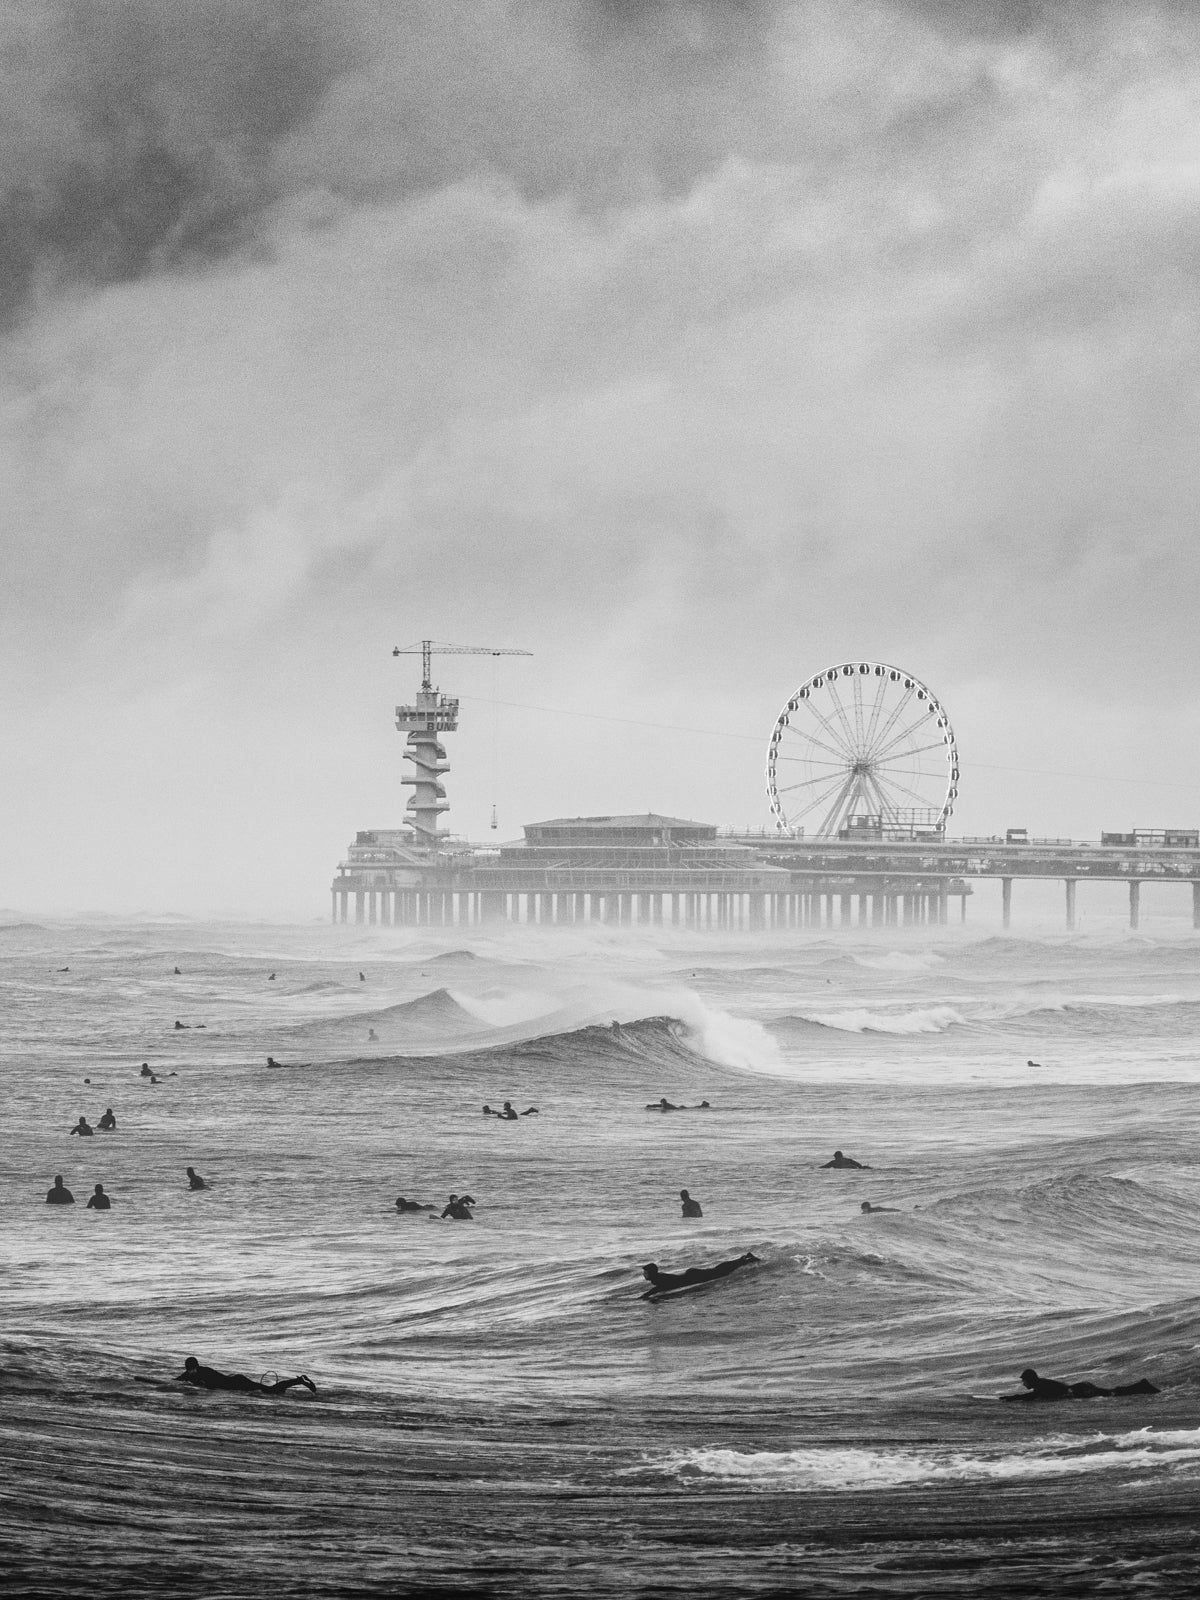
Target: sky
point(689, 345)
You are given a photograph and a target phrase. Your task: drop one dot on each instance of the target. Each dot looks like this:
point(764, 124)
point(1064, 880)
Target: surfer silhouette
point(211, 1378)
point(195, 1181)
point(411, 1205)
point(98, 1200)
point(662, 1282)
point(108, 1121)
point(458, 1210)
point(1038, 1388)
point(839, 1160)
point(867, 1206)
point(83, 1127)
point(691, 1208)
point(60, 1195)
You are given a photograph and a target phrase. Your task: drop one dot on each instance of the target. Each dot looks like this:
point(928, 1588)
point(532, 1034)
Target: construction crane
point(428, 648)
point(433, 714)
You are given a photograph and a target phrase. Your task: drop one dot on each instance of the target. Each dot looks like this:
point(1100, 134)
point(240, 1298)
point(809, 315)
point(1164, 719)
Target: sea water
point(499, 1411)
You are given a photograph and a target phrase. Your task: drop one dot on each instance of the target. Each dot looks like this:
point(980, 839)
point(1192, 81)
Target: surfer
point(362, 977)
point(178, 974)
point(271, 977)
point(662, 1105)
point(507, 1113)
point(271, 1062)
point(839, 1160)
point(691, 1208)
point(867, 1206)
point(1038, 1388)
point(1033, 1063)
point(372, 1036)
point(98, 1200)
point(195, 1181)
point(458, 1208)
point(108, 1122)
point(660, 1282)
point(210, 1378)
point(144, 1071)
point(83, 1127)
point(411, 1205)
point(181, 1027)
point(60, 1195)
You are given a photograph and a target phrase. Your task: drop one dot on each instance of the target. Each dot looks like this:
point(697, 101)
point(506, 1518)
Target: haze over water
point(498, 1411)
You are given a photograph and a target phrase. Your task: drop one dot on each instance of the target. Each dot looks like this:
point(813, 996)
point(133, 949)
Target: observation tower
point(433, 714)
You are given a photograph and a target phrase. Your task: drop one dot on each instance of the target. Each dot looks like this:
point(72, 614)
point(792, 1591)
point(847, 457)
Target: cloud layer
point(690, 346)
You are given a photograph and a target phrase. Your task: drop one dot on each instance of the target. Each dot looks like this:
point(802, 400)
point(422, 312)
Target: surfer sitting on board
point(108, 1122)
point(839, 1160)
point(84, 1127)
point(60, 1195)
point(662, 1282)
point(691, 1208)
point(195, 1181)
point(1037, 1388)
point(210, 1378)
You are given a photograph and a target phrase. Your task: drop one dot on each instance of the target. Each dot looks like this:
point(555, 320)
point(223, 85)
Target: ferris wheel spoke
point(830, 730)
point(812, 761)
point(821, 778)
point(841, 711)
point(912, 730)
point(917, 750)
point(811, 804)
point(921, 799)
point(810, 738)
point(830, 819)
point(891, 722)
point(880, 697)
point(828, 784)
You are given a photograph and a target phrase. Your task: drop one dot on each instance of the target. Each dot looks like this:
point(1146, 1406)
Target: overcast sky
point(689, 346)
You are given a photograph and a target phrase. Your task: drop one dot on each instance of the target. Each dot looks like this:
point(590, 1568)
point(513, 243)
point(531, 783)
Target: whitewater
point(498, 1411)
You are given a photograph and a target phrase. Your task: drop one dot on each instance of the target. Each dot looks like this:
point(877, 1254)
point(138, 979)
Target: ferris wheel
point(862, 746)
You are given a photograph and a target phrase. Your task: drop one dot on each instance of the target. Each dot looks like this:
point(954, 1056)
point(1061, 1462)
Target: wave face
point(1026, 1114)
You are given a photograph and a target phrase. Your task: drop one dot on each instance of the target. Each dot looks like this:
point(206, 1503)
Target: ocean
point(498, 1410)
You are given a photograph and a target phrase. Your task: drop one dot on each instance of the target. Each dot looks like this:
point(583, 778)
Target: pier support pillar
point(845, 910)
point(358, 905)
point(1070, 886)
point(1006, 900)
point(1195, 903)
point(758, 912)
point(1135, 903)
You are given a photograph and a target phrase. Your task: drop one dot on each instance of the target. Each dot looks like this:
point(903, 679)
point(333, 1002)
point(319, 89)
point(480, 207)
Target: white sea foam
point(902, 961)
point(834, 1467)
point(861, 1019)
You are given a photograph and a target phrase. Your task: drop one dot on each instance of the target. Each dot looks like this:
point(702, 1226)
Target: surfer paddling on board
point(210, 1378)
point(1038, 1388)
point(839, 1160)
point(867, 1206)
point(664, 1282)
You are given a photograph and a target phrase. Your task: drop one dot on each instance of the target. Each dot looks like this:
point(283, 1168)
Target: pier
point(654, 870)
point(879, 868)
